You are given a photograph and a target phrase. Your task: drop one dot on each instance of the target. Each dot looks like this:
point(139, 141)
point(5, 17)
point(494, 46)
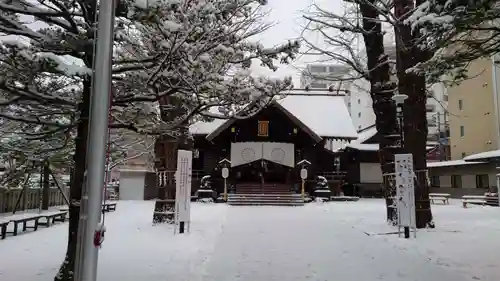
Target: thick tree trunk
point(382, 90)
point(166, 148)
point(67, 268)
point(415, 119)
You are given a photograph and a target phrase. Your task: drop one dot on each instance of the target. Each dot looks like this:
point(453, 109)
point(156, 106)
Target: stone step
point(263, 189)
point(277, 198)
point(277, 195)
point(266, 203)
point(263, 192)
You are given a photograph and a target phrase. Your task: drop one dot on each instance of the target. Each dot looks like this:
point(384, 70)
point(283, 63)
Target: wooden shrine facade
point(274, 130)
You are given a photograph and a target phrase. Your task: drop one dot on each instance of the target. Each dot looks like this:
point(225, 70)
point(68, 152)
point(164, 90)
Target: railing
point(332, 175)
point(8, 198)
point(161, 176)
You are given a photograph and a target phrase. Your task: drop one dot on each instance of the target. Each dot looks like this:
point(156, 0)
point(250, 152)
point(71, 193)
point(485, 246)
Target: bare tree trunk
point(415, 118)
point(381, 92)
point(67, 268)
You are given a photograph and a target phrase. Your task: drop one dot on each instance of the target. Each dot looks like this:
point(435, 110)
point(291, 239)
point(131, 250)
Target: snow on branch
point(458, 32)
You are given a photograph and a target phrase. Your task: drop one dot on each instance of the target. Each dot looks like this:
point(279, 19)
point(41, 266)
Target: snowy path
point(316, 242)
point(293, 244)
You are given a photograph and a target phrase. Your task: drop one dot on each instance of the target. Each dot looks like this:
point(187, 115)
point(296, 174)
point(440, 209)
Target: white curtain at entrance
point(245, 152)
point(279, 152)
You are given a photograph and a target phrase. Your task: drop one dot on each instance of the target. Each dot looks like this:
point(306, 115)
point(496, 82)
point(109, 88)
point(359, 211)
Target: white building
point(322, 76)
point(360, 104)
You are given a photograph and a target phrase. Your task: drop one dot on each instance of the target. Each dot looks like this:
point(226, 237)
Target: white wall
point(440, 104)
point(370, 173)
point(132, 185)
point(360, 104)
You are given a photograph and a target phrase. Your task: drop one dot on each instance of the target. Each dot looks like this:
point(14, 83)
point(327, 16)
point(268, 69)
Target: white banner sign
point(405, 190)
point(277, 152)
point(245, 152)
point(183, 186)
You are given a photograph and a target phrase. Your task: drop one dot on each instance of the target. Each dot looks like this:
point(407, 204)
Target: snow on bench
point(473, 199)
point(24, 218)
point(445, 197)
point(53, 216)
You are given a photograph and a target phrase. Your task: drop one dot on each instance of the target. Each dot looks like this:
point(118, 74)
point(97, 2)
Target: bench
point(444, 197)
point(106, 207)
point(24, 219)
point(53, 217)
point(109, 206)
point(3, 228)
point(473, 199)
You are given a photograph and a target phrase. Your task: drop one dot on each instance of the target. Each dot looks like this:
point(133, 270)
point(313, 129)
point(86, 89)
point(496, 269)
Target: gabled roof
point(229, 122)
point(366, 134)
point(322, 116)
point(493, 155)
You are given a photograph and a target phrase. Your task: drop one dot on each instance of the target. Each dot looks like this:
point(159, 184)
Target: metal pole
point(225, 189)
point(496, 100)
point(496, 103)
point(90, 219)
point(303, 189)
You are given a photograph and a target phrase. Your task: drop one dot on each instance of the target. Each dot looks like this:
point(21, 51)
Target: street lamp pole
point(90, 228)
point(399, 99)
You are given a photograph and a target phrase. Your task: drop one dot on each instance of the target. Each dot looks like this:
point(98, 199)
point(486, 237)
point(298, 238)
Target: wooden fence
point(8, 198)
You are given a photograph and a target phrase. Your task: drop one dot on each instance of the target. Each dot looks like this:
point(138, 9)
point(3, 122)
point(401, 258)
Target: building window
point(349, 104)
point(359, 101)
point(462, 131)
point(460, 105)
point(456, 181)
point(359, 114)
point(463, 155)
point(435, 181)
point(263, 129)
point(445, 98)
point(482, 181)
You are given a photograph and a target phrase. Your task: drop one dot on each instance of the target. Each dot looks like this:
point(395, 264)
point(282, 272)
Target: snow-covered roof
point(364, 146)
point(324, 115)
point(365, 135)
point(370, 146)
point(450, 163)
point(484, 156)
point(205, 128)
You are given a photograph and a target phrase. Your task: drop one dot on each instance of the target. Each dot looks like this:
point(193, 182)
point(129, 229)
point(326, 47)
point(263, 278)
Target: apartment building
point(360, 105)
point(322, 76)
point(472, 109)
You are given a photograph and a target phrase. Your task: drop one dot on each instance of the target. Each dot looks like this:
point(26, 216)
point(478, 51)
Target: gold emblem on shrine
point(263, 129)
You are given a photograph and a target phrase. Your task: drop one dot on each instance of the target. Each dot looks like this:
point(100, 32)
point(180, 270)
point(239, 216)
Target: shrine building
point(267, 150)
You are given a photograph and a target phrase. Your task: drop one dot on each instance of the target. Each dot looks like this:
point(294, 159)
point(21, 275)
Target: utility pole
point(91, 205)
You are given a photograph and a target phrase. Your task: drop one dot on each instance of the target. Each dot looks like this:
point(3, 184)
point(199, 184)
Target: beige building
point(472, 115)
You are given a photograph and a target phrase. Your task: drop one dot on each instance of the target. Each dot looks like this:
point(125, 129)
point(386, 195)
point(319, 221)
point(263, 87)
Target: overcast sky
point(287, 16)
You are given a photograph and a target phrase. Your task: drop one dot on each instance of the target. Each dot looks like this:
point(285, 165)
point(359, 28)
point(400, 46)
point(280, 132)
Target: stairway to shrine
point(269, 194)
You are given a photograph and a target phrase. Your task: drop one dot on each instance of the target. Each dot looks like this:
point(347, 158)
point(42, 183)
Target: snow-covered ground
point(331, 241)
